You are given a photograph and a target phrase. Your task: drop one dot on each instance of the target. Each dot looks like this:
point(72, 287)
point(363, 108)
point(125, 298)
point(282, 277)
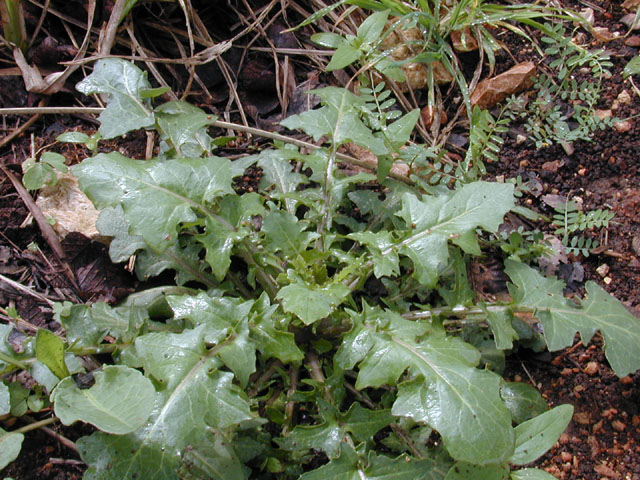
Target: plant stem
point(12, 361)
point(316, 373)
point(265, 280)
point(460, 311)
point(327, 197)
point(106, 348)
point(217, 123)
point(62, 439)
point(291, 404)
point(35, 425)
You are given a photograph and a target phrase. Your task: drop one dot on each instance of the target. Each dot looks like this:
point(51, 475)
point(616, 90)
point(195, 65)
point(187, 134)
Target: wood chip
point(607, 471)
point(583, 418)
point(603, 34)
point(618, 426)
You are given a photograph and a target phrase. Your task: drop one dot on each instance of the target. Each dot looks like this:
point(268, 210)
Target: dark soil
point(602, 441)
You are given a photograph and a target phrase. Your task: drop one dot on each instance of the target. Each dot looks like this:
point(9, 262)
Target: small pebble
point(607, 471)
point(603, 270)
point(607, 280)
point(583, 418)
point(624, 97)
point(635, 244)
point(568, 147)
point(591, 368)
point(630, 21)
point(597, 427)
point(623, 126)
point(566, 457)
point(626, 380)
point(582, 172)
point(618, 426)
point(602, 114)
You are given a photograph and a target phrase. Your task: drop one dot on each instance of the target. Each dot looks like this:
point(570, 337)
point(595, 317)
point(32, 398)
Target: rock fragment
point(493, 90)
point(630, 21)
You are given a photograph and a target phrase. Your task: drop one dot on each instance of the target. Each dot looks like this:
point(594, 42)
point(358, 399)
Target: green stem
point(106, 348)
point(12, 361)
point(265, 280)
point(36, 425)
point(465, 311)
point(327, 197)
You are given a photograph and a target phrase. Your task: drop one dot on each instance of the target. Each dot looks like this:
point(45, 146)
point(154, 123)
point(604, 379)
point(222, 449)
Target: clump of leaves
point(570, 218)
point(562, 109)
point(435, 22)
point(43, 172)
point(302, 340)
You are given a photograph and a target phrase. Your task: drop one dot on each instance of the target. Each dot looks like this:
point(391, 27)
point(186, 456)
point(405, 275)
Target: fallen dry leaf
point(70, 207)
point(494, 90)
point(428, 113)
point(603, 34)
point(369, 160)
point(463, 41)
point(401, 43)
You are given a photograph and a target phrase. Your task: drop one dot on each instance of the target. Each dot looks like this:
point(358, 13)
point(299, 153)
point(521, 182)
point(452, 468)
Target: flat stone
point(630, 21)
point(623, 127)
point(633, 41)
point(493, 90)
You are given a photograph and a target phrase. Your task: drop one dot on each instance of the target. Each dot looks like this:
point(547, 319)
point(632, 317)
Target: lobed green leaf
point(123, 82)
point(561, 318)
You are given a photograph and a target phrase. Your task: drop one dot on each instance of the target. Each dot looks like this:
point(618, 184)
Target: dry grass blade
point(52, 83)
point(108, 33)
point(398, 172)
point(21, 288)
point(20, 130)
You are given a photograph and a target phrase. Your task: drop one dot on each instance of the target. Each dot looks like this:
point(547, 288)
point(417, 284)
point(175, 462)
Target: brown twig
point(398, 171)
point(41, 425)
point(46, 229)
point(108, 33)
point(266, 375)
point(18, 286)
